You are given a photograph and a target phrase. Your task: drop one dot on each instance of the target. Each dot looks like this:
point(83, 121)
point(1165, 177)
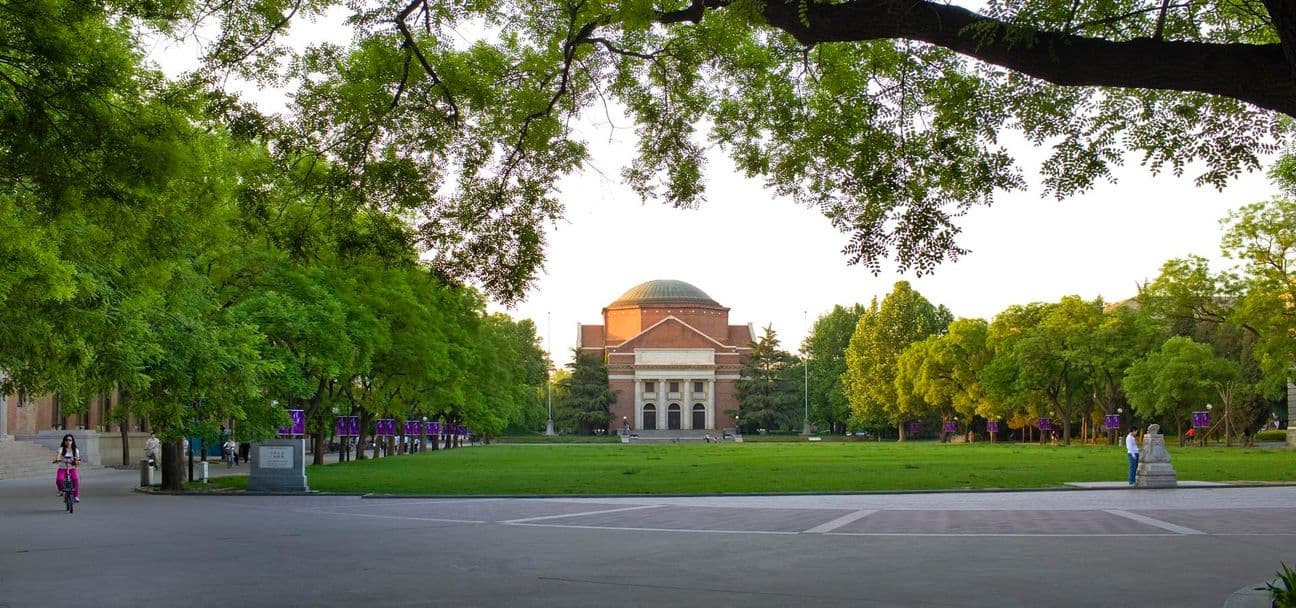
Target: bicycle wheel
point(68, 499)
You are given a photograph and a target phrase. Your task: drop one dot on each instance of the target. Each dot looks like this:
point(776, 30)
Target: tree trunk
point(318, 436)
point(173, 475)
point(900, 431)
point(360, 440)
point(123, 427)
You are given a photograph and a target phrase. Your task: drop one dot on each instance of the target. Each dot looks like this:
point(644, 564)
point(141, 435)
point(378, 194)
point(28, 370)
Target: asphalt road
point(1121, 547)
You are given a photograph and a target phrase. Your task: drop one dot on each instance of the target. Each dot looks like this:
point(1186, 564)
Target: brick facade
point(664, 335)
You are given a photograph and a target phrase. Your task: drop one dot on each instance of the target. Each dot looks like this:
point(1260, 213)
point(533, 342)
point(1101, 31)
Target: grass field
point(768, 467)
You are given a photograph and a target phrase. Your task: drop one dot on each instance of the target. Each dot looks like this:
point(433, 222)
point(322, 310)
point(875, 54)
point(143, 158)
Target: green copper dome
point(661, 293)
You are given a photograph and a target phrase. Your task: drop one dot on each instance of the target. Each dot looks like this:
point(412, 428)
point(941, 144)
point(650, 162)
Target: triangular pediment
point(670, 332)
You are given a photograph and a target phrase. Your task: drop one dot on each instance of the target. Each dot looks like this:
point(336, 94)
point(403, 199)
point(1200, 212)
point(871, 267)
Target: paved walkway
point(1179, 547)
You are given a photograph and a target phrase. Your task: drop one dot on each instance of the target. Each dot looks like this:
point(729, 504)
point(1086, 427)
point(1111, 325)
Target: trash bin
point(203, 472)
point(146, 474)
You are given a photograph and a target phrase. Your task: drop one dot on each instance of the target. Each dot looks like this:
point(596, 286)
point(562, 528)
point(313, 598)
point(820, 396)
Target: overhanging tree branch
point(1260, 74)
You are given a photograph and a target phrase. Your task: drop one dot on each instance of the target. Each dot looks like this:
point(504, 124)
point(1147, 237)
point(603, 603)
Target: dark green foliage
point(585, 394)
point(770, 391)
point(1283, 588)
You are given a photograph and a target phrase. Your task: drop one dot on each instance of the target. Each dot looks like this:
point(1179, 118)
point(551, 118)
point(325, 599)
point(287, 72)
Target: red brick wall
point(624, 405)
point(625, 323)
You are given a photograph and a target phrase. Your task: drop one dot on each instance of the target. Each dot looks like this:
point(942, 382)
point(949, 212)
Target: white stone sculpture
point(1154, 469)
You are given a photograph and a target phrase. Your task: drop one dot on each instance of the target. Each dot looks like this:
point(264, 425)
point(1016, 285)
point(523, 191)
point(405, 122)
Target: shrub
point(1279, 435)
point(1283, 588)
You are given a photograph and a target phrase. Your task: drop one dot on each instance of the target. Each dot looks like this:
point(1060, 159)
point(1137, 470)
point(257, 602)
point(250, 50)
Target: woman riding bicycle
point(68, 458)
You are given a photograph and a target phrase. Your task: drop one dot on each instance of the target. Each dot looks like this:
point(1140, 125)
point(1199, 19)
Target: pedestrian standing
point(153, 450)
point(1132, 451)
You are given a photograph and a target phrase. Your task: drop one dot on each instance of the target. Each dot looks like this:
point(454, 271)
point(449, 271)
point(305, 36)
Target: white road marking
point(580, 514)
point(625, 528)
point(374, 516)
point(993, 534)
point(1164, 525)
point(840, 521)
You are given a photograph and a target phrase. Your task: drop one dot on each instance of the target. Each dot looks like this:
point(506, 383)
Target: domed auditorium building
point(672, 357)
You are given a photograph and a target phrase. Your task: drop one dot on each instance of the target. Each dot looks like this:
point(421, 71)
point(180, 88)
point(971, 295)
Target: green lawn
point(769, 467)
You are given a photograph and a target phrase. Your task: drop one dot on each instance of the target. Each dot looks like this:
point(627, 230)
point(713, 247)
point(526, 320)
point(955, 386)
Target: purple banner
point(913, 428)
point(951, 427)
point(1045, 424)
point(1200, 420)
point(1113, 421)
point(347, 426)
point(413, 427)
point(434, 428)
point(384, 427)
point(992, 426)
point(298, 426)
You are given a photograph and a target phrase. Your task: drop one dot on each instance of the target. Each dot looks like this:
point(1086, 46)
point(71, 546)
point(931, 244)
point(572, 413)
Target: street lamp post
point(549, 430)
point(805, 364)
point(1203, 437)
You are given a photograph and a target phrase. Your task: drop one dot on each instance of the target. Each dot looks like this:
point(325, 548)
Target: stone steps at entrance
point(24, 460)
point(673, 436)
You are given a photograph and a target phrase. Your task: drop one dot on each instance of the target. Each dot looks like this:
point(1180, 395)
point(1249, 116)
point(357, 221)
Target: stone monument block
point(278, 465)
point(1154, 469)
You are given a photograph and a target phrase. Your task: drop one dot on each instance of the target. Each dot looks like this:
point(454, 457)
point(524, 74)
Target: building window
point(697, 386)
point(650, 387)
point(674, 386)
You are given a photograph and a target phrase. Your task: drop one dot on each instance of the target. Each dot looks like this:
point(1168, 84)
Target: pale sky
point(775, 263)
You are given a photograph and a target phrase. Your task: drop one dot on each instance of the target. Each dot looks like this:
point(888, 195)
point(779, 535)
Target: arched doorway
point(649, 417)
point(699, 416)
point(673, 417)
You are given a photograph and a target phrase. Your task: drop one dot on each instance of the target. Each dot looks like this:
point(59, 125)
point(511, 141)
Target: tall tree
point(826, 348)
point(585, 396)
point(1125, 335)
point(939, 375)
point(1180, 377)
point(904, 317)
point(1048, 360)
point(1262, 237)
point(770, 388)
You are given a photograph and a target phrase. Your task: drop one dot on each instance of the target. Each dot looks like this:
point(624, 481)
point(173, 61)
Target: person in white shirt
point(153, 449)
point(68, 458)
point(231, 453)
point(1132, 451)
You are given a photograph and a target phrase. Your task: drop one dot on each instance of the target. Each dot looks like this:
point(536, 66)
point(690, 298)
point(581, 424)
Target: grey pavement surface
point(1121, 547)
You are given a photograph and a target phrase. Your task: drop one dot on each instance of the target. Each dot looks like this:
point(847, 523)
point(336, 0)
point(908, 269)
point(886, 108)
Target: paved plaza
point(1177, 547)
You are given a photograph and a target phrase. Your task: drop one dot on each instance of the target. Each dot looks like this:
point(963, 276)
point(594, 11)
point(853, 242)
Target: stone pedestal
point(1154, 469)
point(278, 465)
point(87, 443)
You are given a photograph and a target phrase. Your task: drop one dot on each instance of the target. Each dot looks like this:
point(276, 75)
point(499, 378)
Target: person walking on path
point(1132, 451)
